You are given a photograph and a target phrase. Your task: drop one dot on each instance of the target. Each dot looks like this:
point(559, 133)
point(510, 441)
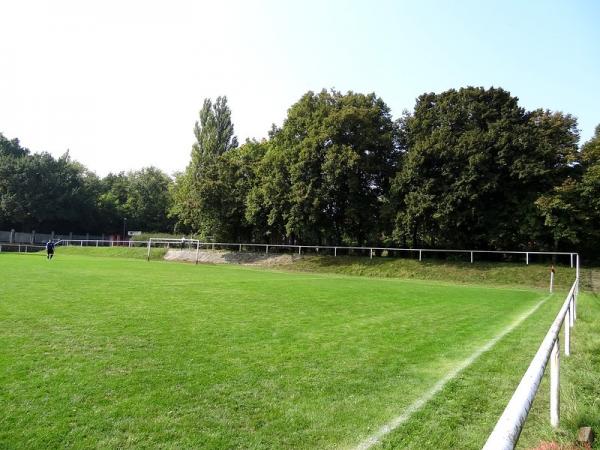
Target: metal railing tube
point(508, 428)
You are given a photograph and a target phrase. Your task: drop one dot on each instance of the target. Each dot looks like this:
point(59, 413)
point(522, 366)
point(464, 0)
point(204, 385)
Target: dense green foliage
point(572, 209)
point(466, 168)
point(485, 273)
point(183, 356)
point(40, 192)
point(325, 176)
point(475, 165)
point(206, 197)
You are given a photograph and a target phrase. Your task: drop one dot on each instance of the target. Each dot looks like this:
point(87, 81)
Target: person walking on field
point(50, 249)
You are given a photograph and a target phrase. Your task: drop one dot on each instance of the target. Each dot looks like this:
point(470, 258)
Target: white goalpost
point(181, 244)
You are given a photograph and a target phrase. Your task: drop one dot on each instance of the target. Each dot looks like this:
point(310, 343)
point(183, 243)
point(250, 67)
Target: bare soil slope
point(227, 257)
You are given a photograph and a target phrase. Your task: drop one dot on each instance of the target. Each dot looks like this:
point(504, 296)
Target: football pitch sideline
point(120, 353)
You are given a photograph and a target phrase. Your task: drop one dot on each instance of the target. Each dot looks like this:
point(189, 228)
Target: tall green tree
point(111, 201)
point(571, 210)
point(148, 200)
point(199, 192)
point(43, 193)
point(327, 171)
point(11, 148)
point(475, 164)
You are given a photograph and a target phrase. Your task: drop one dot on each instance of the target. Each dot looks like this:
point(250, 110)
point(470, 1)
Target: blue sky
point(120, 83)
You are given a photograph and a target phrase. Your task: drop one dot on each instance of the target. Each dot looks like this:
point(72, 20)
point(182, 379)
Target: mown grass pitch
point(120, 353)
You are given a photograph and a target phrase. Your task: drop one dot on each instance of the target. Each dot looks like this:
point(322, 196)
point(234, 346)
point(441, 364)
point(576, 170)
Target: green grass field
point(104, 352)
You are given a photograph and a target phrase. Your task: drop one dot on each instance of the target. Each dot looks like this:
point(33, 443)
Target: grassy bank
point(484, 273)
point(496, 273)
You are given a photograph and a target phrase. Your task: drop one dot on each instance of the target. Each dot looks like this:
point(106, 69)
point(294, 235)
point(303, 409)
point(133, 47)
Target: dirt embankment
point(226, 257)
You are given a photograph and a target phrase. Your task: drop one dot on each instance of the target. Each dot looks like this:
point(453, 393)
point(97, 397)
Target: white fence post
point(568, 330)
point(471, 257)
point(552, 281)
point(419, 255)
point(148, 255)
point(299, 249)
point(571, 321)
point(371, 254)
point(334, 251)
point(267, 249)
point(576, 288)
point(527, 258)
point(555, 385)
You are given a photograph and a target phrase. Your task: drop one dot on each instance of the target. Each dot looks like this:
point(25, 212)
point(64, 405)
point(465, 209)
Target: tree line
point(40, 192)
point(466, 168)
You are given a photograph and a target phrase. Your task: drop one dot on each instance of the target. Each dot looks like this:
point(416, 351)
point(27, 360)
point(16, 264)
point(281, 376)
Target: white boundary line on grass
point(376, 437)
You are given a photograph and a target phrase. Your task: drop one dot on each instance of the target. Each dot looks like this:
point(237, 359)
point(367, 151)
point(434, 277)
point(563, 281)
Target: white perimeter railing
point(265, 247)
point(238, 246)
point(508, 429)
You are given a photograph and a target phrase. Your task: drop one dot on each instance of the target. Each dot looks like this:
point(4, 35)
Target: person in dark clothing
point(50, 249)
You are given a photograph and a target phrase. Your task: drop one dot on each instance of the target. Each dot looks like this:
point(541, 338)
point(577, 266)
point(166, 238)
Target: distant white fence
point(302, 249)
point(336, 250)
point(508, 429)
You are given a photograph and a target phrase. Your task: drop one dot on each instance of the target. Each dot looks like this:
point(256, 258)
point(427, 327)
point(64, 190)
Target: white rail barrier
point(294, 247)
point(508, 429)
